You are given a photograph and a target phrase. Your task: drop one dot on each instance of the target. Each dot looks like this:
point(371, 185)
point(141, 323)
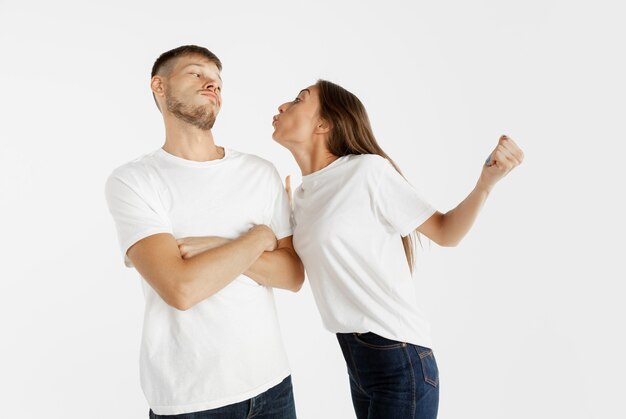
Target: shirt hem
point(199, 407)
point(424, 342)
point(416, 222)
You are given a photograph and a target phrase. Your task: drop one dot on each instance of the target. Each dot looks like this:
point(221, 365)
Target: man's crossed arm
point(184, 278)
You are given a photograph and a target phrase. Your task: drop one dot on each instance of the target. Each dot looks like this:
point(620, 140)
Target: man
point(211, 345)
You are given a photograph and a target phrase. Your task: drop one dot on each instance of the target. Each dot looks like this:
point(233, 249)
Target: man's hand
point(191, 246)
point(266, 234)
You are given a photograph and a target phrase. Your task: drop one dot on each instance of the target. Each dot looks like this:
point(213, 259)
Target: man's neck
point(189, 142)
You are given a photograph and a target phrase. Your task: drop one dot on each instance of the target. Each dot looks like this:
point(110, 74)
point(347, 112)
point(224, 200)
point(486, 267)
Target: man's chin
point(205, 123)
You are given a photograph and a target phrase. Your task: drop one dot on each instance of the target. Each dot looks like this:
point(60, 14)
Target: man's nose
point(210, 85)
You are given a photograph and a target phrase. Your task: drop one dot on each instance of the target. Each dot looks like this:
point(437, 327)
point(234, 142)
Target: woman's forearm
point(457, 222)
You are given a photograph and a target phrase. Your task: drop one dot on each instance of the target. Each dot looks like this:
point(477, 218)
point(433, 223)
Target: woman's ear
point(323, 126)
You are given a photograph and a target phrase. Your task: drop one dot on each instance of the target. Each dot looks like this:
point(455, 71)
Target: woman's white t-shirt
point(349, 218)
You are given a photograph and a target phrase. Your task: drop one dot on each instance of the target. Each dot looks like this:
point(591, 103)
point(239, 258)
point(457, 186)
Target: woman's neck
point(312, 159)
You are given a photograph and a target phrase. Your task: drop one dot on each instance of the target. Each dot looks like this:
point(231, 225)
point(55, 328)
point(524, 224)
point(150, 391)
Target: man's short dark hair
point(163, 65)
point(169, 57)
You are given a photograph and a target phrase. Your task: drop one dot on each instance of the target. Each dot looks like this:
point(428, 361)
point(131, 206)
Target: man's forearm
point(210, 271)
point(281, 268)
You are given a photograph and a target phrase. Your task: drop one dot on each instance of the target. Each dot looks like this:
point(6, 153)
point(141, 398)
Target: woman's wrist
point(483, 187)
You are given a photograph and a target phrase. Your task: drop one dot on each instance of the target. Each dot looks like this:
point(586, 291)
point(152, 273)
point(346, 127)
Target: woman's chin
point(276, 137)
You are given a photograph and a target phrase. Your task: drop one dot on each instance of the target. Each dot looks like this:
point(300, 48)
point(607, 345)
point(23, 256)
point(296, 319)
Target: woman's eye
point(195, 74)
point(296, 100)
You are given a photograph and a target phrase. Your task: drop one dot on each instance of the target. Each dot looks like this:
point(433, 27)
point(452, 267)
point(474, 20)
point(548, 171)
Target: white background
point(527, 313)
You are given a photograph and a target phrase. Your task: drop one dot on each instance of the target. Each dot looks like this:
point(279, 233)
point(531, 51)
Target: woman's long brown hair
point(351, 133)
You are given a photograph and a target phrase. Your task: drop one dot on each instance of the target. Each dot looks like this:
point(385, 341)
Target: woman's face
point(298, 121)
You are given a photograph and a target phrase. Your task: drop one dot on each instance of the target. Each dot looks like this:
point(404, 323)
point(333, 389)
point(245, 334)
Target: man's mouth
point(209, 94)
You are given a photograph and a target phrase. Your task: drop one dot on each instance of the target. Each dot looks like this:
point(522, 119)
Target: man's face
point(193, 91)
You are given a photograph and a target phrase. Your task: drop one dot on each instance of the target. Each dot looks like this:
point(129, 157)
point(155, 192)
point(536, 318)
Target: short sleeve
point(399, 203)
point(280, 210)
point(135, 211)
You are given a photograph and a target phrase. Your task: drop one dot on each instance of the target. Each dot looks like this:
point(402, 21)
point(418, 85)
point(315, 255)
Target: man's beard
point(198, 116)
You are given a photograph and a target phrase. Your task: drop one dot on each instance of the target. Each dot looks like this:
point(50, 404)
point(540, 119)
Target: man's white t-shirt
point(228, 347)
point(348, 221)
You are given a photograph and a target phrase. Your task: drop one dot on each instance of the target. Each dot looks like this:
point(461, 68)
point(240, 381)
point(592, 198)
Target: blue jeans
point(275, 403)
point(390, 379)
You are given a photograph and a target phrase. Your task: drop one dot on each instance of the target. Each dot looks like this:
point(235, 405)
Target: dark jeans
point(390, 379)
point(275, 403)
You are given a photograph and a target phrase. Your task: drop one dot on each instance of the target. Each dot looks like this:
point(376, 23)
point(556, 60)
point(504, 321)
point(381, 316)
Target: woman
point(354, 216)
point(355, 221)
